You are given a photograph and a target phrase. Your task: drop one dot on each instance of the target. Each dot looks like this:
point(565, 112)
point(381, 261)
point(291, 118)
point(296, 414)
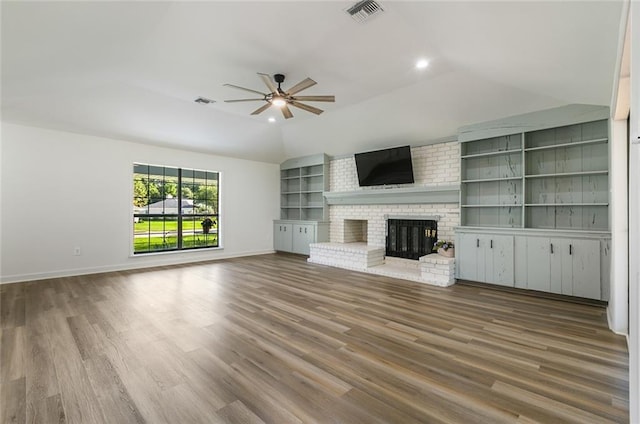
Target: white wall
point(634, 219)
point(617, 311)
point(634, 280)
point(61, 190)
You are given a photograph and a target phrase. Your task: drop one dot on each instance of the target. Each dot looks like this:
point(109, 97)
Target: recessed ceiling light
point(272, 119)
point(422, 64)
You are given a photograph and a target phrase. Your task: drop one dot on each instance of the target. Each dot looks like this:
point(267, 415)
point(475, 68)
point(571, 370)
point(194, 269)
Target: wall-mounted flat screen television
point(388, 166)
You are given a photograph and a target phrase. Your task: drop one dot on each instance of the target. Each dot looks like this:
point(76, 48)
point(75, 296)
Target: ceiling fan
point(283, 99)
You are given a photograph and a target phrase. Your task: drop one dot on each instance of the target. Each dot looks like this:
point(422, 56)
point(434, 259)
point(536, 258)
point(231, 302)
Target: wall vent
point(364, 10)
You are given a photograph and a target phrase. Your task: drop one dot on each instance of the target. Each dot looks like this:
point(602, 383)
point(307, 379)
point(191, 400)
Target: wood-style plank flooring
point(273, 339)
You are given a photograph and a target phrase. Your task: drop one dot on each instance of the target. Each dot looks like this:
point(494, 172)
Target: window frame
point(180, 216)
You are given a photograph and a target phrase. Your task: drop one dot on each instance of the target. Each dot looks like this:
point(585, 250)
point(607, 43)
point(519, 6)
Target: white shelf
point(514, 205)
point(488, 180)
point(395, 196)
point(567, 174)
point(576, 143)
point(311, 175)
point(565, 204)
point(501, 152)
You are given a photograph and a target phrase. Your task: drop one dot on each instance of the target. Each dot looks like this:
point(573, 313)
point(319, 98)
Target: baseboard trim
point(620, 333)
point(19, 278)
point(536, 293)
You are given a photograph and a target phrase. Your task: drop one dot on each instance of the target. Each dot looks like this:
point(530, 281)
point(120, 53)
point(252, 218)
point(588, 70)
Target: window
point(174, 208)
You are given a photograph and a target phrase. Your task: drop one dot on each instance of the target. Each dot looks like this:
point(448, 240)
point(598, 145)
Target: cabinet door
point(499, 260)
point(303, 235)
point(283, 237)
point(539, 265)
point(562, 266)
point(467, 256)
point(585, 256)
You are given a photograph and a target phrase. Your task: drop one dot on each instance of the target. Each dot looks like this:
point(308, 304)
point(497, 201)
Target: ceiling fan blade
point(245, 89)
point(315, 98)
point(307, 107)
point(286, 112)
point(267, 81)
point(261, 109)
point(242, 100)
point(302, 85)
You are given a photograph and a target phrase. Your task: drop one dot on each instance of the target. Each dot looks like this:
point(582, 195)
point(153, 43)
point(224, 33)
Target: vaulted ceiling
point(131, 70)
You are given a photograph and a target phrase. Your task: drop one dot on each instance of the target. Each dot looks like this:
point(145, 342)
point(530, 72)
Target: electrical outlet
point(77, 251)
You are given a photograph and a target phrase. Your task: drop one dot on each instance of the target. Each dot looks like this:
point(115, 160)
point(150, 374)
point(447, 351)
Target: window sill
point(173, 252)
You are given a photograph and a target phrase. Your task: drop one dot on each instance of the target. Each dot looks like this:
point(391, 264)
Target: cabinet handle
point(305, 231)
point(285, 228)
point(570, 249)
point(477, 242)
point(300, 230)
point(491, 244)
point(551, 247)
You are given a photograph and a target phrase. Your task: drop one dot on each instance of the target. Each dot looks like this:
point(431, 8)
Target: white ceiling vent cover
point(364, 10)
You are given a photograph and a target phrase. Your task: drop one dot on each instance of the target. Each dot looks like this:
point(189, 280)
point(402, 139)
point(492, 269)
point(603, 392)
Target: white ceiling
point(131, 70)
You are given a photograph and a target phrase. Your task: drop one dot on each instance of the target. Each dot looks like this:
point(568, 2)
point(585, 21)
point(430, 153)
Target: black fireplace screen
point(410, 238)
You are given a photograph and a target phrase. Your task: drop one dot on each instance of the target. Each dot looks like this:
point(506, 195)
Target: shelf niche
point(302, 184)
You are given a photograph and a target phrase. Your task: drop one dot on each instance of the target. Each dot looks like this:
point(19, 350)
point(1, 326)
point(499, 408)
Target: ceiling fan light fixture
point(278, 101)
point(422, 64)
point(283, 99)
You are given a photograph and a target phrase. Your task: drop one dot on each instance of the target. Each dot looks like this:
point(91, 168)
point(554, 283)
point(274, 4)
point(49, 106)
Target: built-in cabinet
point(563, 262)
point(295, 236)
point(283, 236)
point(485, 257)
point(563, 265)
point(303, 208)
point(542, 180)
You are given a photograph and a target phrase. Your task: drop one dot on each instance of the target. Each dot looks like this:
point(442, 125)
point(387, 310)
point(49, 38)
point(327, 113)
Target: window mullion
point(179, 208)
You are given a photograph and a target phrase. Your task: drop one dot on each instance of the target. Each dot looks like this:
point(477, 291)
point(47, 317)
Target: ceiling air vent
point(204, 100)
point(364, 10)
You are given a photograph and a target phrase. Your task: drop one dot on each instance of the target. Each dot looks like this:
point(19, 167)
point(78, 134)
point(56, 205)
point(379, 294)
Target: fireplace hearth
point(410, 238)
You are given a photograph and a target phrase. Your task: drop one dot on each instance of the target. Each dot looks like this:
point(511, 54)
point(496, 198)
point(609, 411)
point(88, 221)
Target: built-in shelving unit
point(302, 184)
point(491, 189)
point(567, 177)
point(303, 208)
point(534, 202)
point(553, 178)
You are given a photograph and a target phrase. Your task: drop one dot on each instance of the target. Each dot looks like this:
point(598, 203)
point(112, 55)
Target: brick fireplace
point(358, 218)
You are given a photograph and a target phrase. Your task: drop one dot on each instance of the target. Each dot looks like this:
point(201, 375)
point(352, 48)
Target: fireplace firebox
point(410, 238)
